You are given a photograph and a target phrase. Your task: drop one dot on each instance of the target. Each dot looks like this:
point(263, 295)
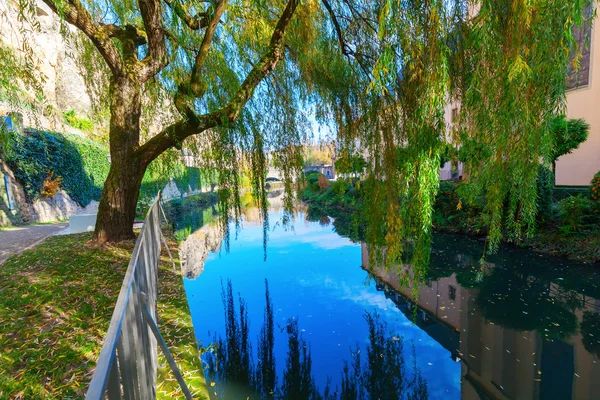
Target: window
point(580, 77)
point(452, 292)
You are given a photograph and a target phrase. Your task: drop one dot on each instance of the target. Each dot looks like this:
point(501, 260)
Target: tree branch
point(336, 25)
point(195, 88)
point(127, 32)
point(194, 23)
point(178, 132)
point(346, 50)
point(206, 42)
point(75, 13)
point(156, 59)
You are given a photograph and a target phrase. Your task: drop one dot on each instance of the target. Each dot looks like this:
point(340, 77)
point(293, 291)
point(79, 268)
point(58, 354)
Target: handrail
point(127, 364)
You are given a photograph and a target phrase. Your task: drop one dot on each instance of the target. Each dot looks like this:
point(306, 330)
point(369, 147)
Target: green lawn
point(56, 301)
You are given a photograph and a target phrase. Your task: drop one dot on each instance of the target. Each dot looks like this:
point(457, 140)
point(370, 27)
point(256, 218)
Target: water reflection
point(524, 326)
point(519, 326)
point(234, 375)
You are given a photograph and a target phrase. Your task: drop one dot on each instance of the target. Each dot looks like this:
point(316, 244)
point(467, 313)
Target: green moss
point(56, 304)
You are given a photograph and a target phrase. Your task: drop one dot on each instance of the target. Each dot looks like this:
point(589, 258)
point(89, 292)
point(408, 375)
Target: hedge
point(563, 192)
point(82, 165)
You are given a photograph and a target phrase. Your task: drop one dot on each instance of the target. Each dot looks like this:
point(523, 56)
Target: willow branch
point(156, 59)
point(194, 23)
point(346, 50)
point(75, 14)
point(176, 133)
point(194, 88)
point(126, 32)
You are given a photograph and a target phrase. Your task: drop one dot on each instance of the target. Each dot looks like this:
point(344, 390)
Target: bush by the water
point(569, 227)
point(319, 189)
point(595, 194)
point(573, 211)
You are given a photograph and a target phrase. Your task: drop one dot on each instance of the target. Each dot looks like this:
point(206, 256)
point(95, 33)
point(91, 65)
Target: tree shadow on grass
point(56, 302)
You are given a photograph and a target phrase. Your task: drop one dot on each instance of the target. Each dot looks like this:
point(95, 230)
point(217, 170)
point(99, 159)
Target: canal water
point(518, 326)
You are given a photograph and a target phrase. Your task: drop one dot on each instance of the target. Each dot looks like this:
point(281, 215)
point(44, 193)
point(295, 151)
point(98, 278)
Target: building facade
point(583, 101)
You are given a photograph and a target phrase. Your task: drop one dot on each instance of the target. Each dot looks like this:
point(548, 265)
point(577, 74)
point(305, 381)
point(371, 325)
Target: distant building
point(326, 169)
point(327, 151)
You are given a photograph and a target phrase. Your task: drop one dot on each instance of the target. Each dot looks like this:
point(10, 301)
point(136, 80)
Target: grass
point(579, 246)
point(57, 221)
point(56, 301)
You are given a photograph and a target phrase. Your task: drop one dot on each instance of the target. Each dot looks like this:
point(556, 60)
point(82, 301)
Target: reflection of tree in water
point(266, 375)
point(298, 382)
point(347, 224)
point(590, 332)
point(187, 220)
point(516, 300)
point(235, 376)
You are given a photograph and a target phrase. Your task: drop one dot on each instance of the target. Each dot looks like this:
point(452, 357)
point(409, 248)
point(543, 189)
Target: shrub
point(545, 187)
point(78, 122)
point(568, 135)
point(323, 182)
point(51, 185)
point(340, 187)
point(595, 194)
point(313, 177)
point(82, 166)
point(572, 211)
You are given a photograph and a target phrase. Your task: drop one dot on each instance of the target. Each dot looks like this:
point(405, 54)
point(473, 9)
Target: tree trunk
point(117, 209)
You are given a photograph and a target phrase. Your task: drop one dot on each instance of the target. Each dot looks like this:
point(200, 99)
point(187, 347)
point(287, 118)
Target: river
point(517, 326)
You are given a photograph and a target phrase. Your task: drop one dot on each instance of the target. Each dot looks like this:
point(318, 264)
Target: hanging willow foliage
point(515, 66)
point(504, 62)
point(379, 73)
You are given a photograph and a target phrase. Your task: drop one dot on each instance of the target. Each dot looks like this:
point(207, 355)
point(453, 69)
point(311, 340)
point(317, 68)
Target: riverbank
point(55, 307)
point(558, 236)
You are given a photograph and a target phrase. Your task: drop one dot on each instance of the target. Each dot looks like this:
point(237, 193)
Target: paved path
point(15, 240)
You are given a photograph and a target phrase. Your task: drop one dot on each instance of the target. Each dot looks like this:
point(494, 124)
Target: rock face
point(55, 62)
point(196, 247)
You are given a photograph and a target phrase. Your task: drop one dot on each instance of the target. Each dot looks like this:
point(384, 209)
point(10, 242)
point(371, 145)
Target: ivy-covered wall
point(185, 178)
point(81, 164)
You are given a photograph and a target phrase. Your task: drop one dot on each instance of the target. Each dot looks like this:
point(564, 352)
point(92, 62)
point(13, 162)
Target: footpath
point(17, 239)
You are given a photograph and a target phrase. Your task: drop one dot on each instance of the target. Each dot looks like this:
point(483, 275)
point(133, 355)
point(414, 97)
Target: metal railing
point(127, 364)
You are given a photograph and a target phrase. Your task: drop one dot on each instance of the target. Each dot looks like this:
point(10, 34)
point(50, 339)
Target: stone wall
point(58, 208)
point(66, 83)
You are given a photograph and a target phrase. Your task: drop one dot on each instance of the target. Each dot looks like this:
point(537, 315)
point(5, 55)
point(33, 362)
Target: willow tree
point(244, 74)
point(504, 62)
